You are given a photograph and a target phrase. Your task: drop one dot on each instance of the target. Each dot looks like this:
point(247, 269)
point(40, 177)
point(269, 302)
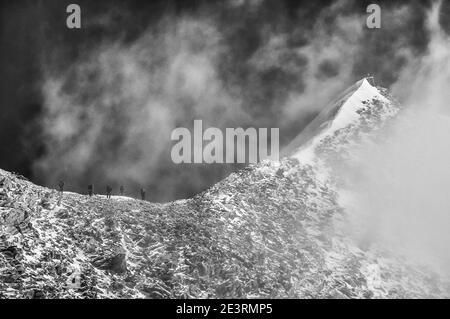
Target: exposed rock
point(155, 291)
point(62, 214)
point(38, 294)
point(10, 252)
point(115, 263)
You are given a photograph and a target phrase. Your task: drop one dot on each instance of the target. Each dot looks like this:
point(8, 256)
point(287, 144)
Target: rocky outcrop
point(116, 263)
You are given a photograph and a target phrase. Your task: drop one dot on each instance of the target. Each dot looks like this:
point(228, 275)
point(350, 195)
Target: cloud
point(401, 190)
point(108, 114)
point(115, 110)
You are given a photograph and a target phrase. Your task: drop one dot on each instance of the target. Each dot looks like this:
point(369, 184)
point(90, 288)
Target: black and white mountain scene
point(225, 149)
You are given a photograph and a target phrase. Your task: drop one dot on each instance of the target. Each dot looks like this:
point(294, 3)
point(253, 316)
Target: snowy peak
point(348, 112)
point(361, 108)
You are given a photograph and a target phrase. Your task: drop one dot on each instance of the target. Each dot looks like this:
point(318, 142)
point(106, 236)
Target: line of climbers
point(109, 190)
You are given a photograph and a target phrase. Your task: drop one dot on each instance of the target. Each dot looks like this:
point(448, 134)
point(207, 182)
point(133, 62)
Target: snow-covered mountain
point(270, 230)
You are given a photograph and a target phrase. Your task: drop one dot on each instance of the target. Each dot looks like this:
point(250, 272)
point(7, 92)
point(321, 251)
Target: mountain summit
point(360, 108)
point(270, 230)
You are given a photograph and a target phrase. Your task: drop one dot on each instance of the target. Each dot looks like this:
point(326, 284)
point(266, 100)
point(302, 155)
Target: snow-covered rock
point(269, 230)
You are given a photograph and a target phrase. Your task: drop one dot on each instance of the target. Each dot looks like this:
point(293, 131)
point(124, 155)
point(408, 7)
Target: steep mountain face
point(270, 230)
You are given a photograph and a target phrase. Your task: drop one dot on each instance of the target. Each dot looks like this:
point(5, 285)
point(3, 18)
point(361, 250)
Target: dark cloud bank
point(97, 105)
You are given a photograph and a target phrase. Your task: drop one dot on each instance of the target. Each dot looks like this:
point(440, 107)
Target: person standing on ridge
point(90, 190)
point(142, 193)
point(108, 191)
point(61, 191)
point(61, 186)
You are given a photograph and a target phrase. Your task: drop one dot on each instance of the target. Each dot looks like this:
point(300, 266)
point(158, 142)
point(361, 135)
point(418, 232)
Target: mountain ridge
point(270, 230)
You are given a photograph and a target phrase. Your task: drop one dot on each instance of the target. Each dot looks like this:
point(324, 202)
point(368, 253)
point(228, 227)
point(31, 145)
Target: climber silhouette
point(108, 191)
point(61, 186)
point(90, 190)
point(142, 193)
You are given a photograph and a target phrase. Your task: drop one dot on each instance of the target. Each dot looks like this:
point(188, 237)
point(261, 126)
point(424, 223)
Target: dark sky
point(35, 44)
